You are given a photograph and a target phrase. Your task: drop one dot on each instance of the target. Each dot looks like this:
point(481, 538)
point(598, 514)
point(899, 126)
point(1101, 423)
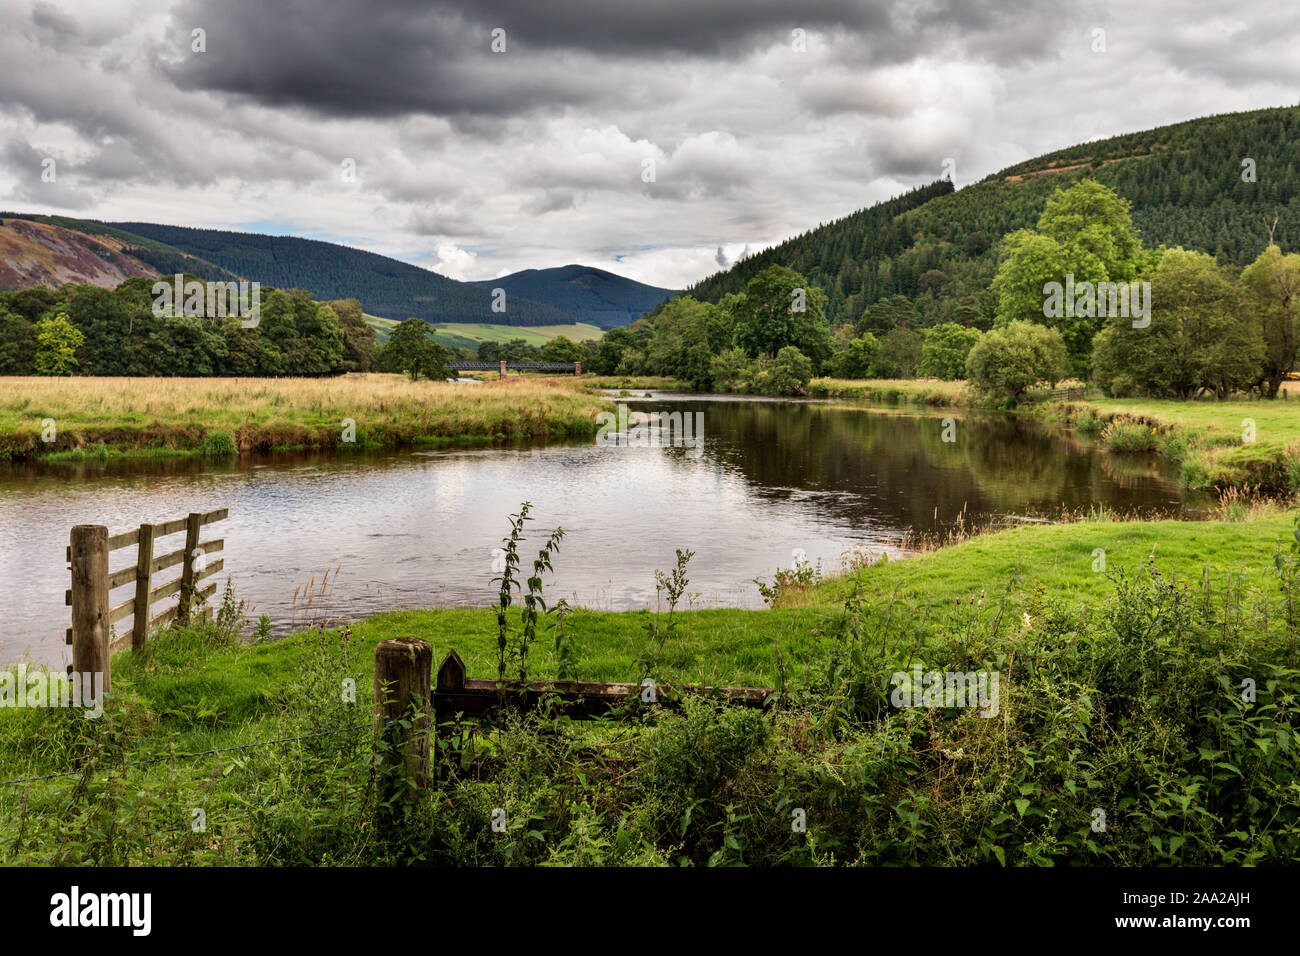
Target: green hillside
point(469, 335)
point(590, 295)
point(384, 286)
point(938, 248)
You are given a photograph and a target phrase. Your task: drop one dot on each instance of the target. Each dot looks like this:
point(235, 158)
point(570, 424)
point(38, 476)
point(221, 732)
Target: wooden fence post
point(192, 527)
point(90, 627)
point(143, 582)
point(403, 667)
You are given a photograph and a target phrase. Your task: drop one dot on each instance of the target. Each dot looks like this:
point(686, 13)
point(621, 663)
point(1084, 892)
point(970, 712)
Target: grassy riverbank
point(105, 417)
point(1219, 444)
point(1120, 691)
point(918, 391)
point(1243, 444)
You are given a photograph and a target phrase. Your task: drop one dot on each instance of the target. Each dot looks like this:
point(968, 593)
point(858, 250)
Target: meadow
point(159, 416)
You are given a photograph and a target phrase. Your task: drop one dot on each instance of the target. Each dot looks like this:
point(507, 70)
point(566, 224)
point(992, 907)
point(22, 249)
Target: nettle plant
point(802, 576)
point(533, 601)
point(674, 585)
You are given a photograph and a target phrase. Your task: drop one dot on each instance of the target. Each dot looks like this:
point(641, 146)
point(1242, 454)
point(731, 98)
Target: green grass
point(468, 335)
point(1213, 441)
point(195, 690)
point(1229, 444)
point(716, 646)
point(537, 335)
point(921, 391)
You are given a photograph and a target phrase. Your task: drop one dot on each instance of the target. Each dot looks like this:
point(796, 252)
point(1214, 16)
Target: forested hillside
point(591, 295)
point(327, 270)
point(937, 250)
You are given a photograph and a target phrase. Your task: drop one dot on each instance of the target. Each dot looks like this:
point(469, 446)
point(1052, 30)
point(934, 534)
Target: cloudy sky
point(655, 138)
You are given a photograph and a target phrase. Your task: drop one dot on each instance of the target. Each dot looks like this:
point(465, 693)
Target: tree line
point(89, 330)
point(1138, 320)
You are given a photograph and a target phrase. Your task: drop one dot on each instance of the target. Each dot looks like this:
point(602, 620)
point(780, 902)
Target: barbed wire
point(197, 753)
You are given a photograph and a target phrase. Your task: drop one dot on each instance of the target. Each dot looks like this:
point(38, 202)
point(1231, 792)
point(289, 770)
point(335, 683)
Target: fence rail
point(1068, 394)
point(92, 583)
point(408, 698)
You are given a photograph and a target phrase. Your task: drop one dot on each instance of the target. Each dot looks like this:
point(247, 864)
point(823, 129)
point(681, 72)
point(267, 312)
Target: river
point(417, 528)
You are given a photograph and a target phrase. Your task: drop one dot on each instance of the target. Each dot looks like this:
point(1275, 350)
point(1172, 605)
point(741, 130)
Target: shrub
point(944, 350)
point(1010, 360)
point(1130, 437)
point(218, 444)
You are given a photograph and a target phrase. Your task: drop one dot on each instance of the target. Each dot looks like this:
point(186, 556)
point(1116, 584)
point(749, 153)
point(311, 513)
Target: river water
point(769, 479)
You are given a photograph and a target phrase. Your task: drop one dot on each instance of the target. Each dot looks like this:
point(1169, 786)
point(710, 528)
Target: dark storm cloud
point(390, 57)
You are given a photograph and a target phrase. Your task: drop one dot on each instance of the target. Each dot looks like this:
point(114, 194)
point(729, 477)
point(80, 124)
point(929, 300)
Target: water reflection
point(418, 528)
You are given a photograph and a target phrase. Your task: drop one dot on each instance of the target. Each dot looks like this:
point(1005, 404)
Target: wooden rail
point(1068, 394)
point(406, 698)
point(454, 693)
point(92, 582)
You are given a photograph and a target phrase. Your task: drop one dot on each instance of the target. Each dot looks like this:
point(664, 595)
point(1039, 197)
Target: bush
point(1008, 361)
point(218, 444)
point(944, 349)
point(730, 370)
point(789, 374)
point(1130, 437)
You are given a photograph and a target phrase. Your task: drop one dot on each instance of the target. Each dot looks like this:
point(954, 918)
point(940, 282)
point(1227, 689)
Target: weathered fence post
point(192, 526)
point(403, 667)
point(450, 680)
point(503, 368)
point(90, 628)
point(577, 368)
point(143, 582)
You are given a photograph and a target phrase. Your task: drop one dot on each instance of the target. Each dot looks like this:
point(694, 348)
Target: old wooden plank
point(174, 558)
point(90, 624)
point(125, 609)
point(192, 526)
point(162, 618)
point(164, 590)
point(143, 584)
point(455, 693)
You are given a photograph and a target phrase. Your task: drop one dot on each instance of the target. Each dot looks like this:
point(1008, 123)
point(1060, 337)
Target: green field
point(469, 335)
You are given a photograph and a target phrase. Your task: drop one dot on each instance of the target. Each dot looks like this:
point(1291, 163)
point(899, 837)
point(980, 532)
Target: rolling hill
point(52, 250)
point(590, 295)
point(937, 248)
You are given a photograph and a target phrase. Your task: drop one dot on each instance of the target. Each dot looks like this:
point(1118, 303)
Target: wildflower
point(1026, 619)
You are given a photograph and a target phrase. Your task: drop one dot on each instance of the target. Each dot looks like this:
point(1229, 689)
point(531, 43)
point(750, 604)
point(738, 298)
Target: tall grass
point(126, 414)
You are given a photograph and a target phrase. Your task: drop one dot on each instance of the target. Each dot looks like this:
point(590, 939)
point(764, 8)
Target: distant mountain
point(384, 286)
point(53, 250)
point(586, 293)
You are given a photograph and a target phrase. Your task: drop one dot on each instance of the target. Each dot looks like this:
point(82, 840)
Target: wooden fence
point(406, 698)
point(1068, 394)
point(90, 635)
